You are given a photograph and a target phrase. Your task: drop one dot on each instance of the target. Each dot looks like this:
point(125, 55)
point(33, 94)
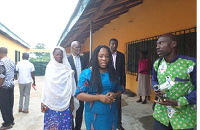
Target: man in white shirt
point(119, 65)
point(26, 75)
point(78, 63)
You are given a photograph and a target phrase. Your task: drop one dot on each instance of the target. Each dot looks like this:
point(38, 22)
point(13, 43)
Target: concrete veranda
point(135, 116)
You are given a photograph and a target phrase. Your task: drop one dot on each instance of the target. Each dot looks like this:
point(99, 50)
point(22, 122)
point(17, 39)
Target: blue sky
point(37, 21)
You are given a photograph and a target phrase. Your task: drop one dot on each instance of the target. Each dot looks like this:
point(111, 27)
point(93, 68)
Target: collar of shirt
point(174, 59)
point(4, 58)
point(114, 55)
point(74, 57)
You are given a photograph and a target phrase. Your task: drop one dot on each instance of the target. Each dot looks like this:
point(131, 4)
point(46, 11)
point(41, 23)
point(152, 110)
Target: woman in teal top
point(98, 86)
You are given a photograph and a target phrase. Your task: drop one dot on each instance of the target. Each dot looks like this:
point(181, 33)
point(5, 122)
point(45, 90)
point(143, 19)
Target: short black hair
point(113, 39)
point(3, 50)
point(171, 36)
point(25, 56)
point(144, 53)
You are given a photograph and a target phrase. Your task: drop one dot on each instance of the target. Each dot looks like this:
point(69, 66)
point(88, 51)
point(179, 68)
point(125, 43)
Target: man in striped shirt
point(6, 89)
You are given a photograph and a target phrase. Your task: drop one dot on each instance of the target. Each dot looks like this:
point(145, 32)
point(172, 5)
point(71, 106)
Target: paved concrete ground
point(136, 116)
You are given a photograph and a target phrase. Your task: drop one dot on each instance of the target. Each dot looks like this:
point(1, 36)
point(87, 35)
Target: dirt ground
point(34, 119)
point(135, 116)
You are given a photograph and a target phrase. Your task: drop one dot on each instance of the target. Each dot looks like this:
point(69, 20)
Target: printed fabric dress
point(98, 115)
point(58, 120)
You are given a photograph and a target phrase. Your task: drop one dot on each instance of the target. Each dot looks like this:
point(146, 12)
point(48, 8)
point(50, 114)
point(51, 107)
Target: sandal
point(140, 100)
point(25, 111)
point(144, 102)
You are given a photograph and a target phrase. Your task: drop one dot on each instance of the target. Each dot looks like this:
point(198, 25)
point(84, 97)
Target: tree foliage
point(40, 56)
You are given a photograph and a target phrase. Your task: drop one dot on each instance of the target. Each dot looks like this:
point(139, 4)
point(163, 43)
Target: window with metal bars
point(187, 46)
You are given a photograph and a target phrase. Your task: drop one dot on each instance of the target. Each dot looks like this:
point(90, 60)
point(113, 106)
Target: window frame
point(187, 46)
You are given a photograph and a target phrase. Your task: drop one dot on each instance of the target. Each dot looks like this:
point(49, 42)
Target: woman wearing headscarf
point(99, 86)
point(58, 103)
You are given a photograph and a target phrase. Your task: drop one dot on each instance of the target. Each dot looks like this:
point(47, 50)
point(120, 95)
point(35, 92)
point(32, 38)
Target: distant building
point(15, 45)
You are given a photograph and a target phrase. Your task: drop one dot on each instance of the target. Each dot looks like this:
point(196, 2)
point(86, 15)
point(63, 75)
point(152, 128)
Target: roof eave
point(10, 35)
point(82, 4)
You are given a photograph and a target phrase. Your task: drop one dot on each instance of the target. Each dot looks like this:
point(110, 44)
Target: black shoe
point(119, 127)
point(3, 124)
point(6, 127)
point(77, 128)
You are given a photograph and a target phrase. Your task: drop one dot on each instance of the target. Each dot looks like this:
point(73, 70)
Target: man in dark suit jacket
point(78, 63)
point(119, 65)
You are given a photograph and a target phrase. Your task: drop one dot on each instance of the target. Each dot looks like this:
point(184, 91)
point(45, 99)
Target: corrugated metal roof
point(10, 35)
point(74, 18)
point(99, 12)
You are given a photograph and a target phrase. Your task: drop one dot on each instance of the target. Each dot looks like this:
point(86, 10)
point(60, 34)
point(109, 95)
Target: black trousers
point(79, 116)
point(6, 105)
point(119, 109)
point(158, 126)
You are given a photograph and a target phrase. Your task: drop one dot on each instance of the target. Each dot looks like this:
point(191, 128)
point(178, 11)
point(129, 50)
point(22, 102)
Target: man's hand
point(71, 107)
point(124, 87)
point(159, 93)
point(1, 81)
point(167, 102)
point(34, 84)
